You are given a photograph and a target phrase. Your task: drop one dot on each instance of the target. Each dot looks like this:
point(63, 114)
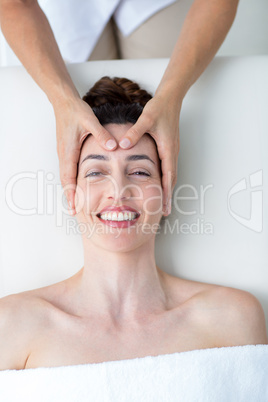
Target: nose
point(120, 188)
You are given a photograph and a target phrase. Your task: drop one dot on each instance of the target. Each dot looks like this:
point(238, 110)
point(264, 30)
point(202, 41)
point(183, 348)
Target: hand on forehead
point(146, 146)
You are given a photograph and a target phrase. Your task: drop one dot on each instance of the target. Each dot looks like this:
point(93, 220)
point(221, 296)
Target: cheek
point(87, 197)
point(152, 204)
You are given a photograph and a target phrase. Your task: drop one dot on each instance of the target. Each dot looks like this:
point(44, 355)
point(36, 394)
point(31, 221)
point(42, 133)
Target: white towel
point(238, 374)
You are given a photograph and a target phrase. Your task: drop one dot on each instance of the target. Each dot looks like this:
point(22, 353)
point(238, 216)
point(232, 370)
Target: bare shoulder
point(236, 316)
point(20, 316)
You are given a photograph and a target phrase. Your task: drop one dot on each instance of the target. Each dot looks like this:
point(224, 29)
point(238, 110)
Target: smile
point(119, 219)
point(120, 216)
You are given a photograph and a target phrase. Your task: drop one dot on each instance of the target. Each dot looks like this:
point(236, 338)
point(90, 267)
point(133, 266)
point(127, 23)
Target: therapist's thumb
point(104, 138)
point(134, 134)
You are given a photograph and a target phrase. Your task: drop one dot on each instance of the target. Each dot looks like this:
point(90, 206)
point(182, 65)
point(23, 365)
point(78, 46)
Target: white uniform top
point(78, 24)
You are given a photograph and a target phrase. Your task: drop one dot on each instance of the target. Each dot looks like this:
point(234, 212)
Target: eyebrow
point(128, 158)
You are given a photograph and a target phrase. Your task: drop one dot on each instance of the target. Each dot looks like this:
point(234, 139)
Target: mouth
point(118, 216)
point(120, 219)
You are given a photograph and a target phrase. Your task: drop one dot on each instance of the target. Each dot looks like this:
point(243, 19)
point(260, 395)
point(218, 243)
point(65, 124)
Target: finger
point(68, 173)
point(169, 179)
point(104, 138)
point(168, 154)
point(68, 181)
point(134, 134)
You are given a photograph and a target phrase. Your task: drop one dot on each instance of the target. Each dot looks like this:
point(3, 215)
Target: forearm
point(28, 33)
point(205, 28)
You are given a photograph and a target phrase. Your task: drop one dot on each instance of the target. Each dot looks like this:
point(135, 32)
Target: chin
point(123, 241)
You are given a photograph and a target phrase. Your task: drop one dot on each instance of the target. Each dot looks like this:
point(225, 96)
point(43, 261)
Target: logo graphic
point(256, 202)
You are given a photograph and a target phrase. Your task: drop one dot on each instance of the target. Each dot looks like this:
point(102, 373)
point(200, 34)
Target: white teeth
point(120, 216)
point(114, 216)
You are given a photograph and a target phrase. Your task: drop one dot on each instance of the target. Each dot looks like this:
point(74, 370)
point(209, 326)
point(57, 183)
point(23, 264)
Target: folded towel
point(238, 374)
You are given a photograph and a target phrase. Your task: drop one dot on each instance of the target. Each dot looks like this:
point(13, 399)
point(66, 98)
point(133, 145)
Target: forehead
point(146, 143)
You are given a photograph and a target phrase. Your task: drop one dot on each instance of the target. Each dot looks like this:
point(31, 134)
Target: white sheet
point(238, 374)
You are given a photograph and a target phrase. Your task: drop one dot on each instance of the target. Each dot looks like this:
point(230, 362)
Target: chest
point(70, 342)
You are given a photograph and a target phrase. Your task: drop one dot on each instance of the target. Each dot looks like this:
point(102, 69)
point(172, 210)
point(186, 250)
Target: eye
point(141, 173)
point(93, 174)
point(137, 173)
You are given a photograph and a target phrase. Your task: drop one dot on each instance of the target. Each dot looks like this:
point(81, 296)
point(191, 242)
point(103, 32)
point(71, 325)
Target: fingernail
point(71, 210)
point(169, 206)
point(125, 143)
point(110, 144)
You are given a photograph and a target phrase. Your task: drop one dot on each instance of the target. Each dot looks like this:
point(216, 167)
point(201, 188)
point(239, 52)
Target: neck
point(121, 285)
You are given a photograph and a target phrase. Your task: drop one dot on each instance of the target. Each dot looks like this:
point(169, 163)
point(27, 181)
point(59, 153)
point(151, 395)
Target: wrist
point(170, 95)
point(64, 97)
point(177, 78)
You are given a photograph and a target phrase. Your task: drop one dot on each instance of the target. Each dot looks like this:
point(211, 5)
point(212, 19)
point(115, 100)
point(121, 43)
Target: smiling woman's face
point(130, 179)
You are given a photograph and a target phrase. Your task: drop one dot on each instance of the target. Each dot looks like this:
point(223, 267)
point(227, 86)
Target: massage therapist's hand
point(160, 118)
point(203, 31)
point(74, 121)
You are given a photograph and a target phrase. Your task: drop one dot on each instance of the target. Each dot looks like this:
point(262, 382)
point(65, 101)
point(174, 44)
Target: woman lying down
point(121, 305)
